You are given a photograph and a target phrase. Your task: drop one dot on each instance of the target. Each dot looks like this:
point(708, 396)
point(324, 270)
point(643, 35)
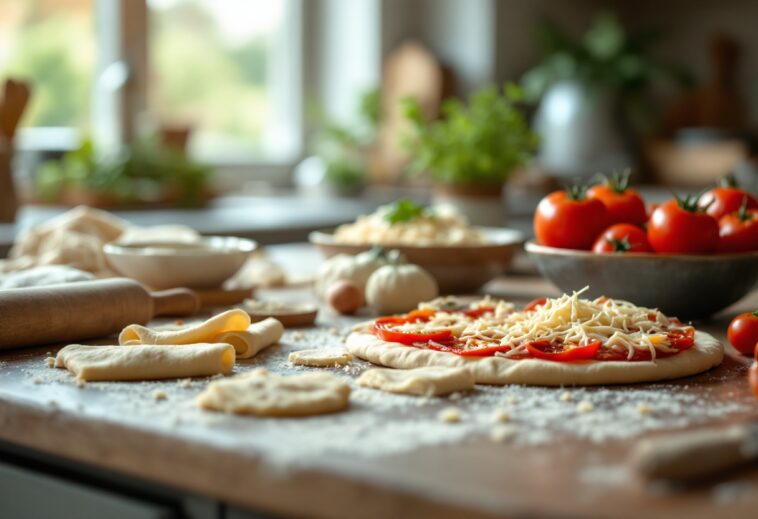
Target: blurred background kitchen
point(271, 118)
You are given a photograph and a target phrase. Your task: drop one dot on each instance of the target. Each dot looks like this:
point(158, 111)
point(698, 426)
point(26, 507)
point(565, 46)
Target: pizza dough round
point(705, 354)
point(428, 381)
point(321, 357)
point(262, 393)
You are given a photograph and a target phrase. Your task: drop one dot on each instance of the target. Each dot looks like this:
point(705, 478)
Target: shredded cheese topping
point(618, 325)
point(441, 227)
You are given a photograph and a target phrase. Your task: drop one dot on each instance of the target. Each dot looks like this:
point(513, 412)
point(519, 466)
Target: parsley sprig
point(405, 210)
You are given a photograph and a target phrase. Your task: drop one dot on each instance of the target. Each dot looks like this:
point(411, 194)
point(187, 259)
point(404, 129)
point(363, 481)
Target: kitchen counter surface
point(374, 460)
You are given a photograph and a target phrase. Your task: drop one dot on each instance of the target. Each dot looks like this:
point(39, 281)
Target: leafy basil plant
point(479, 142)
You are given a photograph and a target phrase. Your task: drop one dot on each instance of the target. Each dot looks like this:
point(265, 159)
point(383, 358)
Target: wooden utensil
point(84, 310)
point(696, 454)
point(15, 98)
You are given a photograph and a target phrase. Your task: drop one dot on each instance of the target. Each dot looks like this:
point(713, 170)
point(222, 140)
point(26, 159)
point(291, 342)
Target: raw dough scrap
point(321, 357)
point(76, 238)
point(43, 276)
point(145, 362)
point(248, 343)
point(262, 393)
point(705, 354)
point(230, 321)
point(429, 381)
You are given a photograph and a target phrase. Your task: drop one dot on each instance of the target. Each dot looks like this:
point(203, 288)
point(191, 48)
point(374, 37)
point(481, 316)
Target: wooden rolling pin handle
point(691, 455)
point(175, 302)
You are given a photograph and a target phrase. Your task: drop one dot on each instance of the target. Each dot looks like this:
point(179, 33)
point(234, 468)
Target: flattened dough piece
point(250, 342)
point(704, 355)
point(429, 381)
point(230, 321)
point(262, 393)
point(145, 362)
point(321, 357)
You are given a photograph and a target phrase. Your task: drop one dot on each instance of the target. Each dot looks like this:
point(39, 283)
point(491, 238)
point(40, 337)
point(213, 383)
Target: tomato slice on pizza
point(564, 329)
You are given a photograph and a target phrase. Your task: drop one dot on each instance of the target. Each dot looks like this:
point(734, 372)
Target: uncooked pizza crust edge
point(706, 353)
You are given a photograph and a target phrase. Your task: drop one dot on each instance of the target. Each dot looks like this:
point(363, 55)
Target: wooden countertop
point(118, 426)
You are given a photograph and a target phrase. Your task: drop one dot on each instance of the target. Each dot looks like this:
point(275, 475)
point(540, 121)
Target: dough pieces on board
point(230, 327)
point(258, 336)
point(262, 393)
point(230, 321)
point(430, 381)
point(145, 362)
point(321, 357)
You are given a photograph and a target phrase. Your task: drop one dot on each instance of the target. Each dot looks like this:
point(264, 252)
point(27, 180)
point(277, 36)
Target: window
point(213, 66)
point(229, 69)
point(50, 43)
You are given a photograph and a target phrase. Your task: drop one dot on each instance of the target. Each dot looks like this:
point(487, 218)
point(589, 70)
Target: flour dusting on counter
point(378, 423)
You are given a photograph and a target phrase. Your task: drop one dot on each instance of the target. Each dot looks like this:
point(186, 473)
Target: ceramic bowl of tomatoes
point(690, 256)
point(686, 286)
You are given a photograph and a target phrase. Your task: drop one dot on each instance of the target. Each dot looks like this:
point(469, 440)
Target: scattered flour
point(379, 423)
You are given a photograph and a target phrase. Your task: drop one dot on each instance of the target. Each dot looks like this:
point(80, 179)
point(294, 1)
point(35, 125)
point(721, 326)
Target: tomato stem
point(576, 192)
point(622, 245)
point(690, 202)
point(728, 180)
point(619, 182)
point(742, 213)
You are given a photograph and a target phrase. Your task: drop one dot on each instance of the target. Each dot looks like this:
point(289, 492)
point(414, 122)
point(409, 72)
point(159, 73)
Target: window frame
point(122, 38)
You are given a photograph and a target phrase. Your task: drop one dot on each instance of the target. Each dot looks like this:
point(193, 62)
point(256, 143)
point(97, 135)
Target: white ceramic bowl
point(206, 263)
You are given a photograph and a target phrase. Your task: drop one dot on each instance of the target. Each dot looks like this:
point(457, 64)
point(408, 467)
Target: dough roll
point(258, 336)
point(146, 362)
point(229, 321)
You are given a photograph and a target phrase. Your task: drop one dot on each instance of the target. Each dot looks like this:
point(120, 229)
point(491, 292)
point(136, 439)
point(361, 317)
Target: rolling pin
point(696, 454)
point(84, 310)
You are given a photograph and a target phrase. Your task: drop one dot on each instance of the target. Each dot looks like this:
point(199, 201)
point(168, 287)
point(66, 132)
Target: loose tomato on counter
point(569, 220)
point(752, 377)
point(679, 226)
point(622, 237)
point(726, 199)
point(743, 332)
point(624, 204)
point(738, 231)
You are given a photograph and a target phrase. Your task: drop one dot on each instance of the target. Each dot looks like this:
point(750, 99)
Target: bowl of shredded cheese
point(461, 257)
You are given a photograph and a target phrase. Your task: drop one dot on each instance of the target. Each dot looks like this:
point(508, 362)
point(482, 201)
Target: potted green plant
point(472, 150)
point(146, 173)
point(593, 94)
point(345, 149)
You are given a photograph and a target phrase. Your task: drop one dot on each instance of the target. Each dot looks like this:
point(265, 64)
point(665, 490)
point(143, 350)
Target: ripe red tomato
point(624, 204)
point(743, 332)
point(679, 227)
point(724, 200)
point(738, 232)
point(622, 237)
point(569, 220)
point(752, 377)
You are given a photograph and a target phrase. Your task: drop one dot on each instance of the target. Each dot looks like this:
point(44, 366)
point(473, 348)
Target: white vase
point(580, 132)
point(480, 205)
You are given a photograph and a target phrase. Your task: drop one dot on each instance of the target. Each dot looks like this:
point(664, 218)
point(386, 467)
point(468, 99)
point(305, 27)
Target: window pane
point(210, 68)
point(50, 43)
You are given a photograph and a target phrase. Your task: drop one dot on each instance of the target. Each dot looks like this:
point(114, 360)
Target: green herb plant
point(147, 171)
point(405, 210)
point(344, 147)
point(481, 142)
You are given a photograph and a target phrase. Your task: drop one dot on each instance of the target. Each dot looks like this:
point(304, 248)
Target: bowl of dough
point(460, 257)
point(201, 263)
